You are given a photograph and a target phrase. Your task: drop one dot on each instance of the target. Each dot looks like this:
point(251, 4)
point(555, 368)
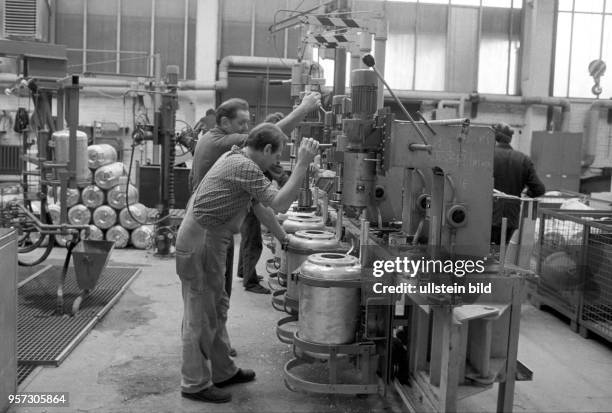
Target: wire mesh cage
point(574, 261)
point(596, 310)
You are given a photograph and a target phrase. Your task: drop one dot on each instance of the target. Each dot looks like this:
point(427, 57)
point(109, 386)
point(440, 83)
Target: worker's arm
point(267, 217)
point(289, 192)
point(535, 187)
point(310, 102)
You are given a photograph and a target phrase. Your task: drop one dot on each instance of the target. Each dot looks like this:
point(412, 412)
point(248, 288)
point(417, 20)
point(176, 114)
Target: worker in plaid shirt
point(214, 214)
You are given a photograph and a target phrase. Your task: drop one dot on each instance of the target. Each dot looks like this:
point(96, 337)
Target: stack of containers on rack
point(103, 204)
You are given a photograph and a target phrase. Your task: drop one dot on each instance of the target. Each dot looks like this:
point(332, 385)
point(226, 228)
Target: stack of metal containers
point(103, 204)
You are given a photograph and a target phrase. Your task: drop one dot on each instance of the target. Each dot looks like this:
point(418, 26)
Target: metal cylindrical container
point(303, 244)
point(119, 235)
point(95, 233)
point(364, 88)
point(359, 179)
point(329, 298)
point(108, 176)
point(92, 196)
point(116, 196)
point(54, 213)
point(293, 224)
point(62, 153)
point(72, 196)
point(142, 237)
point(100, 155)
point(302, 222)
point(79, 215)
point(104, 217)
point(134, 218)
point(291, 212)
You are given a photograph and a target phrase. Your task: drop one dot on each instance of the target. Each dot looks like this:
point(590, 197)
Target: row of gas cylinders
point(140, 237)
point(105, 223)
point(322, 282)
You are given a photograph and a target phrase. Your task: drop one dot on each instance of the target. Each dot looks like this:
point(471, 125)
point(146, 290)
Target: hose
point(44, 215)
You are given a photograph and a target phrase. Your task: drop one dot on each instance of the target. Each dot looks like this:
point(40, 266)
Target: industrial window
point(453, 45)
point(115, 36)
point(583, 34)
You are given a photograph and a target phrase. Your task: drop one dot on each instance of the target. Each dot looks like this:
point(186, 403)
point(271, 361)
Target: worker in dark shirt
point(513, 173)
point(251, 245)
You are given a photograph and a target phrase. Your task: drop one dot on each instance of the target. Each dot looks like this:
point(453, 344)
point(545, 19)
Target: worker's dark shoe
point(259, 277)
point(257, 289)
point(241, 376)
point(211, 394)
point(232, 352)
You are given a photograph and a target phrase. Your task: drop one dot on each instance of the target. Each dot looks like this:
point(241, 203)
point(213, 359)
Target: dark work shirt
point(513, 171)
point(209, 148)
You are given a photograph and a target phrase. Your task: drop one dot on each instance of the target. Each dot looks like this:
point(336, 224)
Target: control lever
point(368, 60)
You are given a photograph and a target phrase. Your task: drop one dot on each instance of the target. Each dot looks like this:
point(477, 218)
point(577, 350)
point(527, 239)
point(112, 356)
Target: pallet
point(541, 298)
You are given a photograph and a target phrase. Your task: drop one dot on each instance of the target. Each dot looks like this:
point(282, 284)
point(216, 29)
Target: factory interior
point(387, 135)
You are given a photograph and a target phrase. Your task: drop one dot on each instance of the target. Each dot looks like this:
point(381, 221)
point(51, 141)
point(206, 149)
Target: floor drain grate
point(23, 371)
point(46, 338)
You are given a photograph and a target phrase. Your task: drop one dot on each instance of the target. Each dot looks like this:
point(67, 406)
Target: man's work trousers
point(200, 262)
point(250, 249)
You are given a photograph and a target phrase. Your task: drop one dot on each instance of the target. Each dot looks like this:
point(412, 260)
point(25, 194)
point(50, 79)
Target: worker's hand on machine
point(311, 101)
point(309, 148)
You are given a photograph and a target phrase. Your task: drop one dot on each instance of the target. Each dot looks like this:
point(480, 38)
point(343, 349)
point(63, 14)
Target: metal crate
point(572, 246)
point(596, 309)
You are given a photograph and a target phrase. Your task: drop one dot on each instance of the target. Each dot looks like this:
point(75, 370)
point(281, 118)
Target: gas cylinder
point(104, 217)
point(116, 196)
point(95, 233)
point(92, 196)
point(100, 155)
point(108, 176)
point(138, 216)
point(119, 235)
point(79, 215)
point(142, 237)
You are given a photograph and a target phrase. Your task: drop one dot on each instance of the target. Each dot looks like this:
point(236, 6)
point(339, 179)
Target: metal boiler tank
point(329, 292)
point(303, 244)
point(62, 154)
point(293, 224)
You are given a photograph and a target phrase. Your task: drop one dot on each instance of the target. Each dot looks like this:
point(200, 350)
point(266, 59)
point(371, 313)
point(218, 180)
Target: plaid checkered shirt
point(228, 187)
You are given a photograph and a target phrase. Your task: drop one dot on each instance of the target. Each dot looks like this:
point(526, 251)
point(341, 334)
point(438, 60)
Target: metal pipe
point(340, 71)
point(339, 212)
point(380, 46)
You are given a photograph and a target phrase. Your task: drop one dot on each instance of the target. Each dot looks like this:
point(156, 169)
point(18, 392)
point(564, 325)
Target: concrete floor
point(130, 361)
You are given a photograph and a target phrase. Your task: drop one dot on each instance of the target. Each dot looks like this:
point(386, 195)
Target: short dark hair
point(230, 107)
point(274, 117)
point(266, 134)
point(503, 132)
point(211, 112)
